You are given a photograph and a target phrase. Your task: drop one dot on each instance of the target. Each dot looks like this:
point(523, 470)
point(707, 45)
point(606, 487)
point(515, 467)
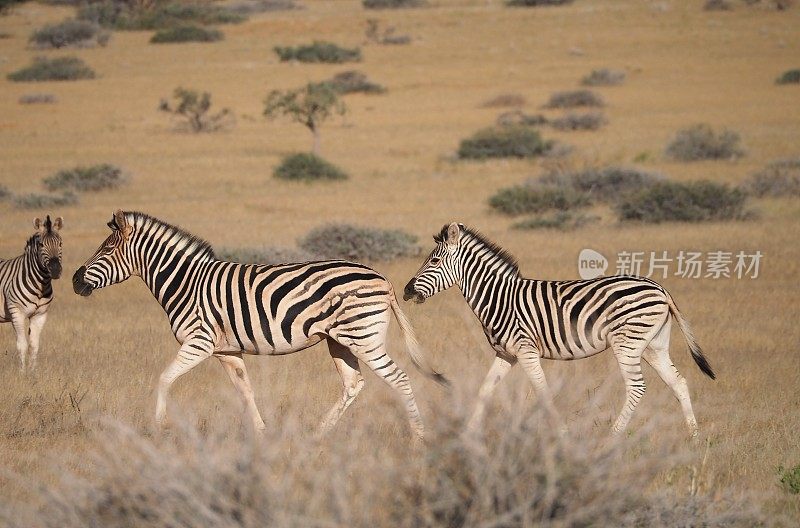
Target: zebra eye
point(435, 261)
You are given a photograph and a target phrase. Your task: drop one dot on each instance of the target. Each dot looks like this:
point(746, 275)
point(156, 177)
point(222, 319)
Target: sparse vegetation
point(504, 100)
point(42, 201)
point(307, 167)
point(526, 199)
point(779, 178)
point(345, 241)
point(353, 81)
point(504, 142)
point(701, 142)
point(186, 33)
point(699, 201)
point(157, 15)
point(790, 479)
point(55, 69)
point(789, 77)
point(604, 77)
point(536, 3)
point(575, 98)
point(250, 7)
point(519, 118)
point(561, 220)
point(266, 255)
point(69, 33)
point(318, 51)
point(392, 4)
point(718, 5)
point(310, 106)
point(4, 192)
point(93, 178)
point(607, 184)
point(387, 36)
point(37, 98)
point(193, 107)
point(585, 121)
point(6, 5)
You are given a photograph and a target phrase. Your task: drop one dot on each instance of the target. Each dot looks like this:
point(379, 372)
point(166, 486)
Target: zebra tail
point(694, 348)
point(414, 349)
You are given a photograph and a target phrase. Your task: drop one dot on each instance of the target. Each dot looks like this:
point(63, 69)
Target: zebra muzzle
point(80, 286)
point(410, 293)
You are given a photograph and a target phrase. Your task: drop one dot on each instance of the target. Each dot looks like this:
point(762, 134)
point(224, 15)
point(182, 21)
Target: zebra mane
point(501, 254)
point(187, 241)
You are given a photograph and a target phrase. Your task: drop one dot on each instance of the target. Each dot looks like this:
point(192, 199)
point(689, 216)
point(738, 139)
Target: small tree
point(194, 106)
point(310, 106)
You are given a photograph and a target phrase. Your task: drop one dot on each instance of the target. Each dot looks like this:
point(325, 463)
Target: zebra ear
point(122, 223)
point(58, 223)
point(38, 224)
point(453, 234)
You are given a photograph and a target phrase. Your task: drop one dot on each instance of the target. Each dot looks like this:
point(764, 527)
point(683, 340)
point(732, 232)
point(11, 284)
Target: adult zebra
point(525, 320)
point(225, 309)
point(26, 288)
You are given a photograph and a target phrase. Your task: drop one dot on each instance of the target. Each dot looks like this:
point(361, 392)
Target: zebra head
point(441, 270)
point(111, 263)
point(49, 247)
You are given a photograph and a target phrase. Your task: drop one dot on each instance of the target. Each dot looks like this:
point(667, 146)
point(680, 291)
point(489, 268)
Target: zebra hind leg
point(629, 354)
point(657, 355)
point(352, 382)
point(234, 366)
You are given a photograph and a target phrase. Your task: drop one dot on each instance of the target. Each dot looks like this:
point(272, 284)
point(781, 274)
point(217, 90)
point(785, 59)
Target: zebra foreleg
point(352, 383)
point(234, 366)
point(20, 324)
point(190, 355)
point(36, 325)
point(500, 367)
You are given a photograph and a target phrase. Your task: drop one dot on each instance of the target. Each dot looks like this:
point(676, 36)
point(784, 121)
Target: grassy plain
point(683, 65)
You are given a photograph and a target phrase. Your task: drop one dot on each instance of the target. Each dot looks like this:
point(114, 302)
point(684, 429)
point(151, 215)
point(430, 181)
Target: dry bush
point(574, 98)
point(43, 201)
point(37, 98)
point(137, 16)
point(779, 178)
point(525, 199)
point(345, 241)
point(307, 167)
point(519, 118)
point(718, 5)
point(266, 255)
point(504, 100)
point(4, 192)
point(392, 4)
point(701, 142)
point(353, 81)
point(193, 109)
point(186, 33)
point(536, 3)
point(604, 77)
point(700, 201)
point(572, 121)
point(318, 51)
point(251, 7)
point(789, 77)
point(606, 184)
point(504, 142)
point(375, 35)
point(523, 473)
point(69, 33)
point(56, 69)
point(47, 414)
point(94, 178)
point(561, 220)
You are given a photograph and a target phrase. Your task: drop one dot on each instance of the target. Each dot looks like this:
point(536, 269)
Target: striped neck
point(484, 266)
point(32, 262)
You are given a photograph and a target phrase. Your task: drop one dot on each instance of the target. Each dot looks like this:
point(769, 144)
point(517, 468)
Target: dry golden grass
point(684, 66)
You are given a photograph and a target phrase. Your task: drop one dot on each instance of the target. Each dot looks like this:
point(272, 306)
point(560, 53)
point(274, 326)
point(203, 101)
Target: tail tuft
point(694, 348)
point(701, 361)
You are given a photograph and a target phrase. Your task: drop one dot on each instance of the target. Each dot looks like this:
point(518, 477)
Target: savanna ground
point(684, 66)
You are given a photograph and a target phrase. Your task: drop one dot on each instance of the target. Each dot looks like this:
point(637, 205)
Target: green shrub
point(186, 33)
point(392, 4)
point(699, 201)
point(562, 220)
point(121, 15)
point(318, 51)
point(524, 199)
point(606, 184)
point(700, 142)
point(193, 107)
point(603, 77)
point(504, 142)
point(56, 69)
point(250, 7)
point(536, 3)
point(519, 118)
point(37, 98)
point(790, 479)
point(266, 255)
point(307, 167)
point(345, 241)
point(789, 77)
point(74, 33)
point(94, 178)
point(354, 82)
point(504, 100)
point(573, 121)
point(574, 98)
point(42, 201)
point(779, 178)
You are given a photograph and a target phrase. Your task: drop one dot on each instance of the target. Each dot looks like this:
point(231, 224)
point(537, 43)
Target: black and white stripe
point(225, 309)
point(26, 288)
point(525, 320)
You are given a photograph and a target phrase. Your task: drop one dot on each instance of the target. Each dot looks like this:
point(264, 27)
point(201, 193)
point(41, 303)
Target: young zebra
point(224, 309)
point(26, 289)
point(525, 320)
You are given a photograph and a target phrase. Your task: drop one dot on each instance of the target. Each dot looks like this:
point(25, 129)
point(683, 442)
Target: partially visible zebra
point(26, 289)
point(225, 309)
point(525, 320)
